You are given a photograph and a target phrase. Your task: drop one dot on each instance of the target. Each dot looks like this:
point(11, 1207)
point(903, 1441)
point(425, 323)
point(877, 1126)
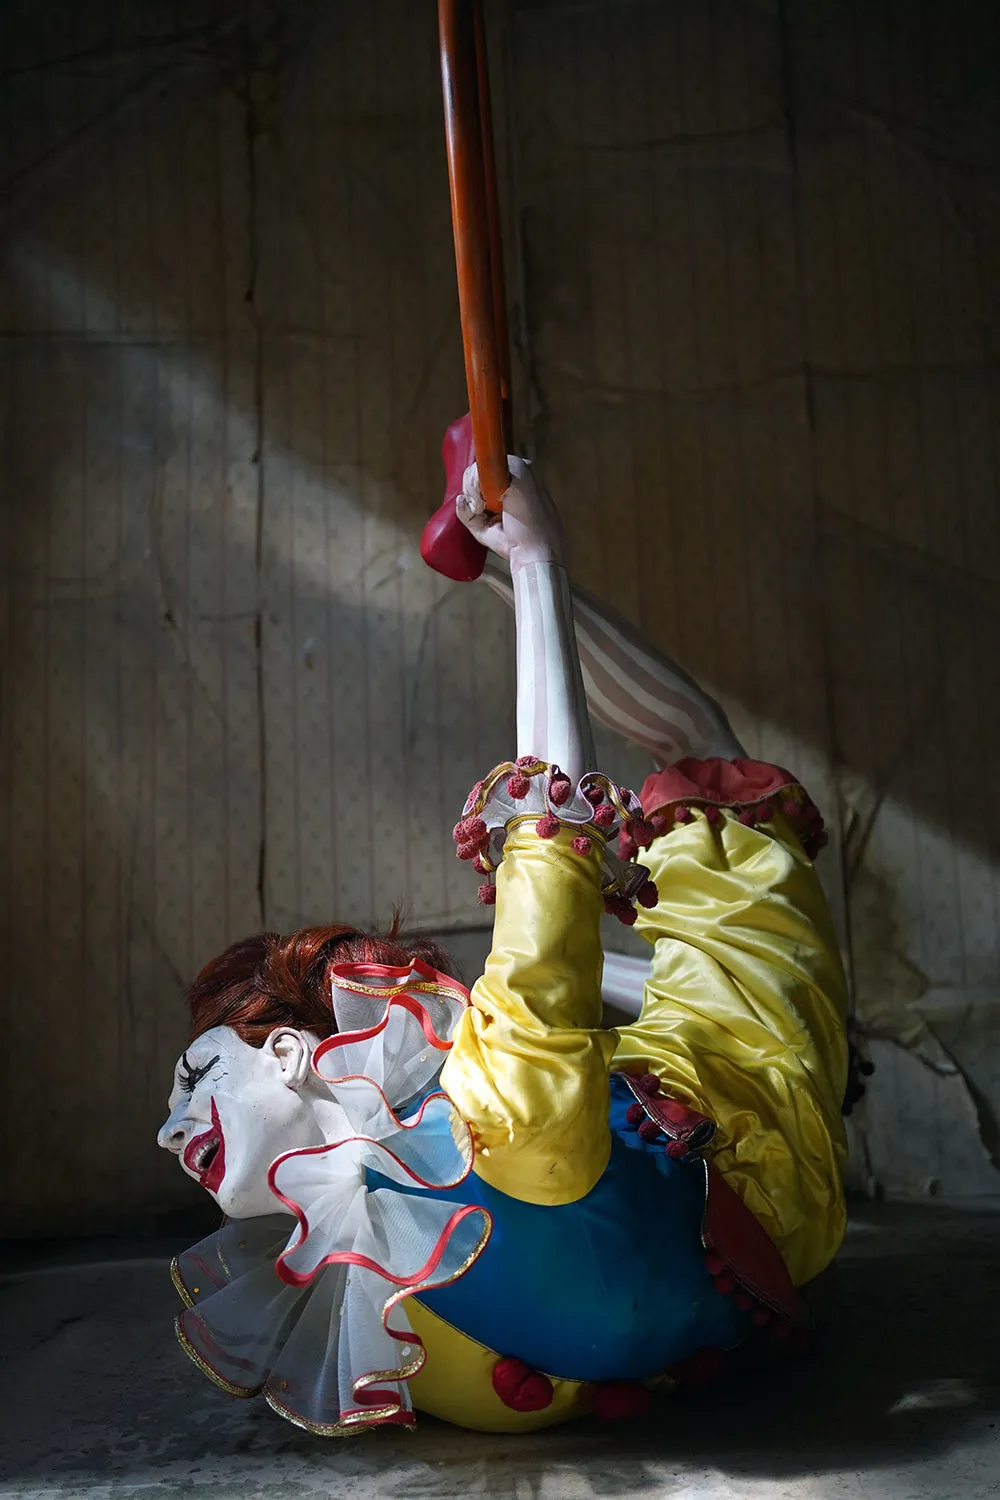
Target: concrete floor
point(903, 1401)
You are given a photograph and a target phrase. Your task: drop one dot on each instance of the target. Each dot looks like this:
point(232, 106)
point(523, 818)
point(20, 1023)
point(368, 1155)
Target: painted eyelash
point(191, 1077)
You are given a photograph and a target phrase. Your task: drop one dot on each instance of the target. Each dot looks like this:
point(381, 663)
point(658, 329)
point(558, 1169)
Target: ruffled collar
point(315, 1321)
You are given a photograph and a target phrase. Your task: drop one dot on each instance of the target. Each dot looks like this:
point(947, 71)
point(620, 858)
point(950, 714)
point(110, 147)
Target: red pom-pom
point(520, 1387)
point(649, 1130)
point(487, 894)
point(604, 816)
point(518, 786)
point(635, 1113)
point(647, 895)
point(581, 844)
point(683, 814)
point(765, 812)
point(658, 823)
point(594, 795)
point(642, 832)
point(761, 1316)
point(618, 907)
point(478, 866)
point(547, 827)
point(714, 1264)
point(780, 1328)
point(649, 1083)
point(724, 1284)
point(627, 847)
point(790, 809)
point(469, 851)
point(525, 760)
point(743, 1300)
point(747, 817)
point(559, 790)
point(469, 831)
point(458, 832)
point(677, 1150)
point(712, 813)
point(614, 1400)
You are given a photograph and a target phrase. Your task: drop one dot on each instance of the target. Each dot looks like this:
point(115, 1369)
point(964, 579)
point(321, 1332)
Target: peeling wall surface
point(753, 252)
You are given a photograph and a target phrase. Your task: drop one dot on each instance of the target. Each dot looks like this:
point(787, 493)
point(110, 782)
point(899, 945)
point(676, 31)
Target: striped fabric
point(552, 718)
point(633, 689)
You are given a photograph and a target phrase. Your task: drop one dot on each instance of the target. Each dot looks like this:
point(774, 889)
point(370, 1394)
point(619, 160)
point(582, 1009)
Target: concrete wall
point(752, 259)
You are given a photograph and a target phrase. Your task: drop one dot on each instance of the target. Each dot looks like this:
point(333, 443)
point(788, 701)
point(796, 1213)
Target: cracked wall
point(756, 324)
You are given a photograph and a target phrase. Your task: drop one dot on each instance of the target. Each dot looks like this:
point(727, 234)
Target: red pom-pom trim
point(614, 1400)
point(559, 790)
point(714, 1264)
point(765, 812)
point(627, 847)
point(712, 813)
point(761, 1316)
point(649, 1130)
point(790, 809)
point(518, 786)
point(547, 827)
point(724, 1284)
point(743, 1300)
point(647, 895)
point(617, 906)
point(470, 850)
point(677, 1150)
point(649, 1083)
point(604, 816)
point(683, 814)
point(594, 795)
point(581, 844)
point(747, 817)
point(520, 1387)
point(642, 832)
point(658, 823)
point(487, 894)
point(635, 1113)
point(478, 866)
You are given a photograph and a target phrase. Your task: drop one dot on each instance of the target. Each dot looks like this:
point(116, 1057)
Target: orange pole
point(475, 221)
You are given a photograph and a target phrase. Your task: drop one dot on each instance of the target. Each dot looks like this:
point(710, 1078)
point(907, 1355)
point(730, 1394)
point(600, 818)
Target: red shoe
point(446, 545)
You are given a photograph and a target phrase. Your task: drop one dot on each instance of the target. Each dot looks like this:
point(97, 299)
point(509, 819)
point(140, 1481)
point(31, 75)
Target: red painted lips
point(205, 1155)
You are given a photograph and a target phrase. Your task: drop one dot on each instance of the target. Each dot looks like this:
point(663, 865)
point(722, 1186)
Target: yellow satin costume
point(743, 1018)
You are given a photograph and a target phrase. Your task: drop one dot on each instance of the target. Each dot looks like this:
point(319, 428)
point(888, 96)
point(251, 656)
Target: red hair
point(268, 981)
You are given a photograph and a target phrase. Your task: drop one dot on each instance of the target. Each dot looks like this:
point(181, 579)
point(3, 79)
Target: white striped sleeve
point(552, 718)
point(637, 691)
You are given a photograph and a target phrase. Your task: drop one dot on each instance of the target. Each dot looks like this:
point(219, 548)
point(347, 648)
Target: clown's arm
point(530, 1062)
point(633, 688)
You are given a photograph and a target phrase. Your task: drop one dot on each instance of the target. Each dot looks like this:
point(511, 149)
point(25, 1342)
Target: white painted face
point(234, 1108)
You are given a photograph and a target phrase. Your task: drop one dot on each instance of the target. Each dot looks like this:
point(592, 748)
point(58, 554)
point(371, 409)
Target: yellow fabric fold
point(529, 1063)
point(743, 1018)
point(456, 1383)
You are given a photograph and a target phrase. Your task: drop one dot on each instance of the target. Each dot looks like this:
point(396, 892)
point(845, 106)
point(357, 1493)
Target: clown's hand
point(527, 530)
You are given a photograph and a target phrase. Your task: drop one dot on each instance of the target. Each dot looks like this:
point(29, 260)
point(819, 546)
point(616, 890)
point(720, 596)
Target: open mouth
point(205, 1155)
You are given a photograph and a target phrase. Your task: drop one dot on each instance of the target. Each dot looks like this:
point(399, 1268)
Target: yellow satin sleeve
point(528, 1069)
point(743, 1018)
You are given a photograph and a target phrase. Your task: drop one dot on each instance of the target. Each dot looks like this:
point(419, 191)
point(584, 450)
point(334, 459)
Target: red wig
point(268, 981)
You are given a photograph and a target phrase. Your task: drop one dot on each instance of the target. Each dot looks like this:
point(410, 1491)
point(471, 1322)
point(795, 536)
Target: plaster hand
point(528, 530)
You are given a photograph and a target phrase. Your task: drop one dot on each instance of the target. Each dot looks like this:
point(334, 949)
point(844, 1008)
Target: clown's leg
point(634, 689)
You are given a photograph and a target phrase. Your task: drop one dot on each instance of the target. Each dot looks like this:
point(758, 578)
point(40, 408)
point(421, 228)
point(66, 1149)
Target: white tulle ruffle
point(316, 1321)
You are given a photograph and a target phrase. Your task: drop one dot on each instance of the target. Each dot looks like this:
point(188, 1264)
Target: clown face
point(234, 1108)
